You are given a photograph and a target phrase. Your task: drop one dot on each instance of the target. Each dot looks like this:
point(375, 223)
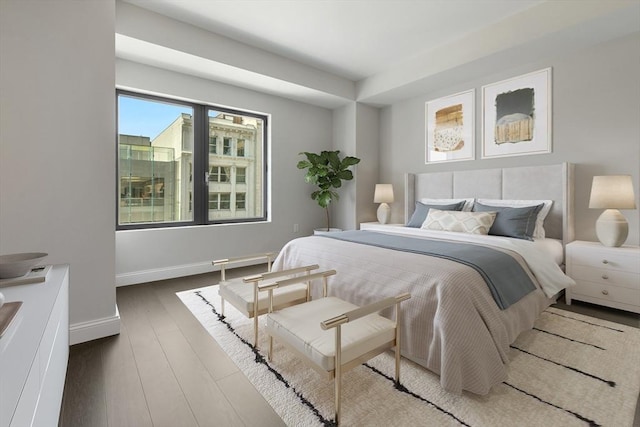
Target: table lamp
point(611, 193)
point(383, 195)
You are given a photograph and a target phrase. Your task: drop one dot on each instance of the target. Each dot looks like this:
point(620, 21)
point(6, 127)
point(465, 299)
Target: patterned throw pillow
point(462, 222)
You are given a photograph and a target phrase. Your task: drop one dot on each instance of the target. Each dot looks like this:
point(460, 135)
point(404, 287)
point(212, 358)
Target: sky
point(140, 117)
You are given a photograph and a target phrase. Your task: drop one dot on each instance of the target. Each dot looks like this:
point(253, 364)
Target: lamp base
point(384, 213)
point(612, 228)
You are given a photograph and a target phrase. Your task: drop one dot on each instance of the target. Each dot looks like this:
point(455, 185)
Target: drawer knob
point(605, 292)
point(605, 277)
point(604, 261)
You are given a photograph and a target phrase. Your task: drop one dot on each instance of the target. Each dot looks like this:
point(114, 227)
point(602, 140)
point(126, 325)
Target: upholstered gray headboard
point(553, 182)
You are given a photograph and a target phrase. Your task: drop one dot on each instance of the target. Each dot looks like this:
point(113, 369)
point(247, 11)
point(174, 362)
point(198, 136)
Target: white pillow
point(538, 232)
point(468, 203)
point(462, 222)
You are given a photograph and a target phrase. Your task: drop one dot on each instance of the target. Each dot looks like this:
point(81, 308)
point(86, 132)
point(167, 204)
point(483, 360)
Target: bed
point(453, 324)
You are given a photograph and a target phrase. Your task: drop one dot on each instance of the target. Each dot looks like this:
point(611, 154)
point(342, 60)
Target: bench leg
point(338, 374)
point(397, 348)
point(255, 330)
point(222, 306)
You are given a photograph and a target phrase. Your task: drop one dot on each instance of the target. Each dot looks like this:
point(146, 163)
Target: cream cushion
point(299, 326)
point(240, 295)
point(462, 222)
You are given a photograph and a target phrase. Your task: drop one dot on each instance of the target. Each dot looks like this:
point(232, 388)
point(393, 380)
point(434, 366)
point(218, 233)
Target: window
point(225, 201)
point(226, 146)
point(240, 201)
point(165, 146)
point(241, 175)
point(240, 148)
point(219, 174)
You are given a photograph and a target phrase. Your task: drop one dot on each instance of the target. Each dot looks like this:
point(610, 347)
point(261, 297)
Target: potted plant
point(327, 171)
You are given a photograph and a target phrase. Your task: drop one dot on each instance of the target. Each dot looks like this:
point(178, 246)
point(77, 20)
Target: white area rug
point(570, 370)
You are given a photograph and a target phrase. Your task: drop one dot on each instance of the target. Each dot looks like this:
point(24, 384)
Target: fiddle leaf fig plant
point(327, 171)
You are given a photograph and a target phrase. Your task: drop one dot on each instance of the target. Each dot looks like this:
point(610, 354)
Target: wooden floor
point(164, 369)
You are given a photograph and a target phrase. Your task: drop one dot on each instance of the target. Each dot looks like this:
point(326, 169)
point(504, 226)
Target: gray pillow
point(421, 211)
point(512, 222)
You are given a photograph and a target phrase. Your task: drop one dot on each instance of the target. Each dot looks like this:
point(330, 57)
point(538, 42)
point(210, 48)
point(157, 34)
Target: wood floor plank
point(212, 356)
point(209, 405)
point(249, 403)
point(165, 399)
point(204, 397)
point(84, 395)
point(125, 399)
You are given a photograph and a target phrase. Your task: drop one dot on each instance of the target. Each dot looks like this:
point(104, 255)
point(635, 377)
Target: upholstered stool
point(360, 334)
point(243, 292)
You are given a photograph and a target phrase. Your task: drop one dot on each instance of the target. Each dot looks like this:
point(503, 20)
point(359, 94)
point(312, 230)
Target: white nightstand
point(604, 275)
point(376, 226)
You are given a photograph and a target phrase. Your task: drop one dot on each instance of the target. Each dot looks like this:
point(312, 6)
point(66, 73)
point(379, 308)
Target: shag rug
point(569, 370)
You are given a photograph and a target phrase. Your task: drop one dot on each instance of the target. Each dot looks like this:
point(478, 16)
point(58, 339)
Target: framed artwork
point(450, 124)
point(516, 116)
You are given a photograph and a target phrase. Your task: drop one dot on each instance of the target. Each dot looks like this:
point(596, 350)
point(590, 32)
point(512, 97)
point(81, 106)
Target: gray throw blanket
point(505, 277)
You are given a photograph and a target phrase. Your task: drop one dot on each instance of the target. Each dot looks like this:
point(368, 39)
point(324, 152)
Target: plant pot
point(323, 230)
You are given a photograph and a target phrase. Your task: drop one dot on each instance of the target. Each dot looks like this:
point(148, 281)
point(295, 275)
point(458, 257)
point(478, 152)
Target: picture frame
point(450, 128)
point(517, 116)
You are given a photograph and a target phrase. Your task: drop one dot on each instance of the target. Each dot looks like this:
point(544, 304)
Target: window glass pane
point(241, 175)
point(155, 141)
point(226, 146)
point(225, 201)
point(241, 186)
point(240, 204)
point(213, 144)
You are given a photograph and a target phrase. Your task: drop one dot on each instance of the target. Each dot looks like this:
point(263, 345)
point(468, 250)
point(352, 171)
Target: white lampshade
point(383, 194)
point(611, 193)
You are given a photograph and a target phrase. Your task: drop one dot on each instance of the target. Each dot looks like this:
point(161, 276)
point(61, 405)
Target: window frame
point(199, 198)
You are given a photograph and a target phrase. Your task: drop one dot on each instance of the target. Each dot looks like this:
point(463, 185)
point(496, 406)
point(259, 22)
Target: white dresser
point(604, 275)
point(34, 352)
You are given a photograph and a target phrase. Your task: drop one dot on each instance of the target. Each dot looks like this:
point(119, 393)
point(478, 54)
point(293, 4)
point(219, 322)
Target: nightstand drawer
point(606, 293)
point(606, 277)
point(606, 259)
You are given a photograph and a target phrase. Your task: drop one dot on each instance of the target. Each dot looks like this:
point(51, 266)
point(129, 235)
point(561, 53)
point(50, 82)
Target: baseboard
point(172, 272)
point(94, 329)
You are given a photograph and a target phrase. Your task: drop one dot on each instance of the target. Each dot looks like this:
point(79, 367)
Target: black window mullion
point(200, 164)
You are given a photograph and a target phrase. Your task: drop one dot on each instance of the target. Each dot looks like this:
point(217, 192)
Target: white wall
point(144, 255)
point(355, 133)
point(57, 153)
point(596, 125)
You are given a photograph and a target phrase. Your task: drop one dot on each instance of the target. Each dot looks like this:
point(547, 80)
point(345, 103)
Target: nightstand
point(376, 226)
point(604, 275)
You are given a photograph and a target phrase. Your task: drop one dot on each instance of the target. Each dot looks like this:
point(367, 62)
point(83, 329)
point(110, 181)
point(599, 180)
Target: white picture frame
point(450, 128)
point(517, 116)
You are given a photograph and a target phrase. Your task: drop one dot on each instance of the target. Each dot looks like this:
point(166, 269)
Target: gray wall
point(143, 255)
point(596, 125)
point(57, 147)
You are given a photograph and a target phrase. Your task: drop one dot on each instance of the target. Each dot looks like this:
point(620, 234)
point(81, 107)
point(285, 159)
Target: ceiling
point(353, 39)
point(369, 50)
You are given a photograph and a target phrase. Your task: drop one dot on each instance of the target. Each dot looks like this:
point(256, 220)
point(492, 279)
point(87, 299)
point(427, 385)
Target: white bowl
point(16, 265)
